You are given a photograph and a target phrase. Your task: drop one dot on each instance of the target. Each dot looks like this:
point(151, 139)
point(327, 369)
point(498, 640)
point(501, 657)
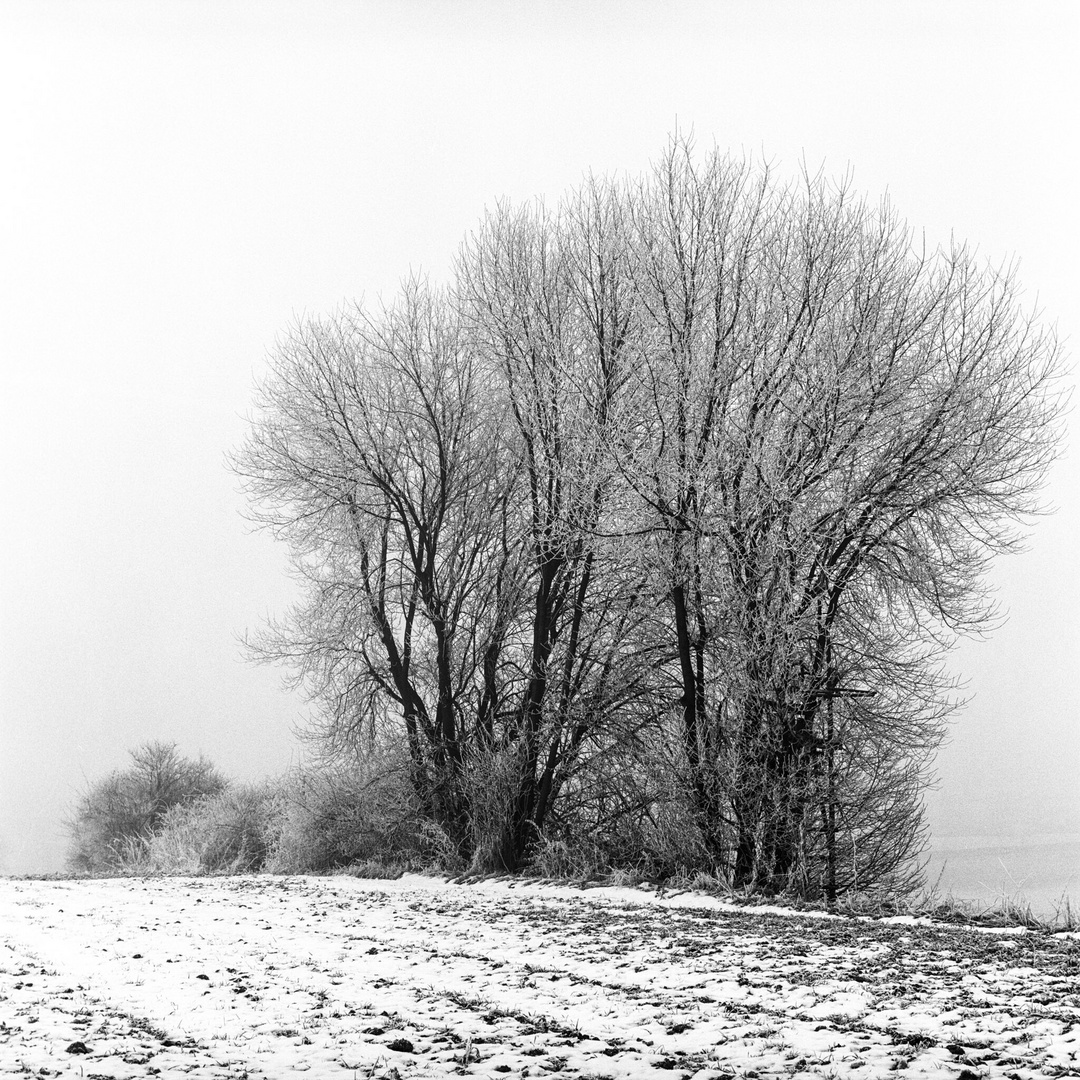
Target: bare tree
point(842, 431)
point(703, 454)
point(378, 456)
point(549, 300)
point(438, 507)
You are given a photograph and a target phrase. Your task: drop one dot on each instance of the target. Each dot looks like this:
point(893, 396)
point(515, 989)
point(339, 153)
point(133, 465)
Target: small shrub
point(439, 850)
point(565, 861)
point(114, 822)
point(230, 832)
point(375, 870)
point(339, 816)
point(491, 780)
point(624, 811)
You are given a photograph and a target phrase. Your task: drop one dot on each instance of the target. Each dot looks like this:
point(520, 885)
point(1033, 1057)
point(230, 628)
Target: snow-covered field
point(338, 977)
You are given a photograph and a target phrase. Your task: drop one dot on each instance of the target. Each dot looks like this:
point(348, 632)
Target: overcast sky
point(179, 180)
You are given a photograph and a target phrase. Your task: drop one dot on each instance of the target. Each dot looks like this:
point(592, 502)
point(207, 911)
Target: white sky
point(179, 179)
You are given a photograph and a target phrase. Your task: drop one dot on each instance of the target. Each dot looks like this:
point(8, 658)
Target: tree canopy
point(665, 509)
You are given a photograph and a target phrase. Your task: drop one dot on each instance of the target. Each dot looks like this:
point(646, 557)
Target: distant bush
point(167, 814)
point(115, 820)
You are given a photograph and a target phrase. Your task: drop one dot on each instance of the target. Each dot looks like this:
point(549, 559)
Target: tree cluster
point(667, 508)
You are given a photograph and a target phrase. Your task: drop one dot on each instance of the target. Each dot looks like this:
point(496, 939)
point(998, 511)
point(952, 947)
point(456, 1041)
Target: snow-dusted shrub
point(337, 816)
point(569, 861)
point(226, 833)
point(626, 811)
point(490, 781)
point(114, 821)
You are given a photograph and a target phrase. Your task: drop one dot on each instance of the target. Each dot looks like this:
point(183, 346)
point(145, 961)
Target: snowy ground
point(337, 977)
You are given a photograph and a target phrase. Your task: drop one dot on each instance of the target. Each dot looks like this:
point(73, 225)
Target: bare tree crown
point(700, 473)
